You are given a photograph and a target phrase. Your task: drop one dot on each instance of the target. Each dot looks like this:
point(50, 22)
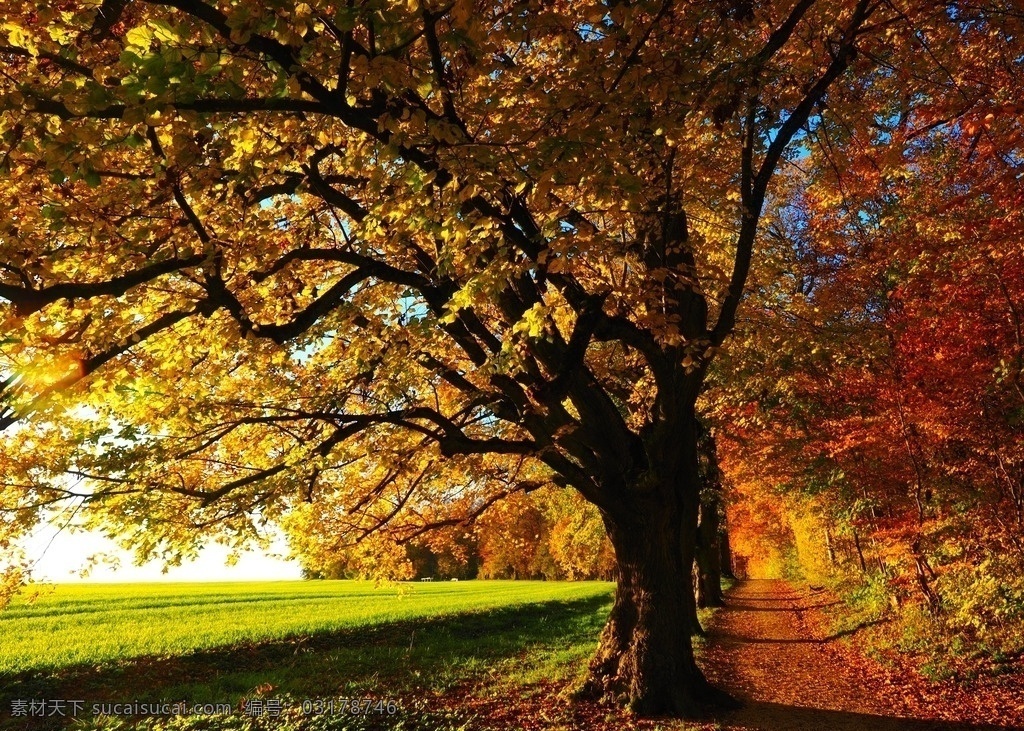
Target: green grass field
point(225, 642)
point(71, 625)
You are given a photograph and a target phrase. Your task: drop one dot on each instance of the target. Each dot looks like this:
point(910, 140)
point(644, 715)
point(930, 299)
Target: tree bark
point(645, 656)
point(708, 578)
point(709, 567)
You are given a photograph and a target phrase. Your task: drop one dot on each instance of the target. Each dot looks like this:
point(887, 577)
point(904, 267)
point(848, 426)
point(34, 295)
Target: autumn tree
point(577, 539)
point(872, 403)
point(515, 542)
point(381, 265)
point(548, 533)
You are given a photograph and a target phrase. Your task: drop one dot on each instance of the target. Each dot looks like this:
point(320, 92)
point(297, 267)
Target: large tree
point(377, 265)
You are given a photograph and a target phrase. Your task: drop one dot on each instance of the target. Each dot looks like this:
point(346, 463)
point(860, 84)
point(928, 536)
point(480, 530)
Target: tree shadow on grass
point(385, 660)
point(780, 717)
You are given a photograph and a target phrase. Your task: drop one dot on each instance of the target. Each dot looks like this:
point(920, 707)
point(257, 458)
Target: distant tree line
point(543, 534)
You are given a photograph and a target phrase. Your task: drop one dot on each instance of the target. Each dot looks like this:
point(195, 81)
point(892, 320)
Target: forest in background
point(871, 411)
point(544, 534)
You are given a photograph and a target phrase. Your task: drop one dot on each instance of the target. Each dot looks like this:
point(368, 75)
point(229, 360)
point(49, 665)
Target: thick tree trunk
point(645, 656)
point(709, 567)
point(708, 578)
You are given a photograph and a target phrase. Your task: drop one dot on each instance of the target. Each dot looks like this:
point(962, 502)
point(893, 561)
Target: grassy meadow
point(71, 624)
point(226, 642)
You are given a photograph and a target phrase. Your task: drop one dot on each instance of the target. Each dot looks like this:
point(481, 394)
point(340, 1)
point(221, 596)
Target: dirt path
point(766, 648)
point(770, 647)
